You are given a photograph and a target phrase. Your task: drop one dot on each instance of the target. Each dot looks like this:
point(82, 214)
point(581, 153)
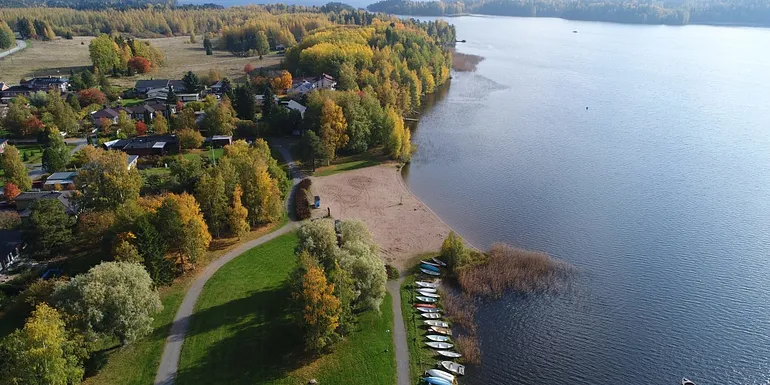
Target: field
point(60, 56)
point(241, 334)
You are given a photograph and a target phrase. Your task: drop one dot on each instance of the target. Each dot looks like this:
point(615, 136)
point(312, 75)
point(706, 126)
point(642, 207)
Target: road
point(169, 362)
point(20, 45)
point(399, 333)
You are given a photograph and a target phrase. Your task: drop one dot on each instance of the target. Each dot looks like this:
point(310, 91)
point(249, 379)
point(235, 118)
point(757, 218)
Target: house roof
point(62, 196)
point(132, 160)
point(152, 83)
point(151, 141)
point(3, 141)
point(105, 113)
point(61, 176)
point(9, 240)
point(143, 108)
point(292, 105)
point(221, 137)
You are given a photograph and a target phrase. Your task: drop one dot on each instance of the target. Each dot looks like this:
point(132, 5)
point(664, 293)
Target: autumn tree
point(333, 128)
point(106, 182)
point(184, 119)
point(7, 38)
point(25, 28)
point(210, 193)
point(104, 53)
point(126, 252)
point(126, 126)
point(248, 68)
point(399, 142)
point(115, 299)
point(182, 222)
point(90, 96)
point(16, 115)
point(84, 156)
point(189, 138)
point(454, 251)
point(139, 64)
point(41, 353)
point(14, 169)
point(320, 307)
point(61, 113)
point(93, 226)
point(48, 230)
point(237, 214)
point(160, 124)
point(220, 118)
point(10, 191)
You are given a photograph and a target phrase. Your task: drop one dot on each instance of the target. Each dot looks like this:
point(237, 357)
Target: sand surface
point(401, 224)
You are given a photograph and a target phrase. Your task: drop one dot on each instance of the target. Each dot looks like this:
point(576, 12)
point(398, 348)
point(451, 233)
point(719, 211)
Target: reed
point(509, 268)
point(461, 310)
point(468, 346)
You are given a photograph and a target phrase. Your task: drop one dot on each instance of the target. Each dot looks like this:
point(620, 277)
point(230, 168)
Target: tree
point(10, 191)
point(210, 193)
point(227, 88)
point(245, 102)
point(237, 214)
point(189, 138)
point(140, 65)
point(248, 68)
point(41, 353)
point(152, 246)
point(115, 299)
point(17, 115)
point(56, 155)
point(320, 240)
point(399, 143)
point(192, 84)
point(207, 46)
point(362, 261)
point(91, 96)
point(268, 103)
point(126, 125)
point(346, 80)
point(262, 44)
point(92, 227)
point(7, 39)
point(262, 196)
point(312, 148)
point(106, 182)
point(220, 118)
point(25, 28)
point(333, 128)
point(187, 172)
point(182, 222)
point(53, 161)
point(14, 169)
point(48, 230)
point(184, 119)
point(126, 252)
point(88, 79)
point(140, 128)
point(160, 124)
point(454, 251)
point(320, 309)
point(62, 114)
point(171, 98)
point(104, 53)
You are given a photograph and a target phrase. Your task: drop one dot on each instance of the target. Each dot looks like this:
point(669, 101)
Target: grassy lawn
point(34, 153)
point(241, 333)
point(212, 154)
point(159, 171)
point(131, 102)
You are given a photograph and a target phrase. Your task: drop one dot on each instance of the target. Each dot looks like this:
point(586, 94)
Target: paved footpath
point(20, 45)
point(169, 361)
point(399, 333)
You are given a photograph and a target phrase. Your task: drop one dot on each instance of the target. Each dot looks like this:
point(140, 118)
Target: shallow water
point(639, 154)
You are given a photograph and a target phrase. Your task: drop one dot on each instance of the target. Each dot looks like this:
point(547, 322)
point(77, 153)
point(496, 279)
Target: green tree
point(152, 247)
point(160, 124)
point(187, 172)
point(126, 252)
point(25, 28)
point(244, 102)
point(320, 240)
point(14, 169)
point(189, 138)
point(48, 230)
point(192, 84)
point(126, 125)
point(7, 38)
point(333, 128)
point(116, 299)
point(16, 116)
point(346, 80)
point(207, 46)
point(104, 53)
point(63, 116)
point(210, 193)
point(268, 104)
point(171, 98)
point(312, 148)
point(184, 119)
point(454, 251)
point(220, 118)
point(106, 182)
point(88, 79)
point(262, 44)
point(56, 156)
point(41, 353)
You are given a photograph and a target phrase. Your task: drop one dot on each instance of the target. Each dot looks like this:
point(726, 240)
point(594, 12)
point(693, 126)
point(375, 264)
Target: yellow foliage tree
point(333, 128)
point(237, 215)
point(321, 309)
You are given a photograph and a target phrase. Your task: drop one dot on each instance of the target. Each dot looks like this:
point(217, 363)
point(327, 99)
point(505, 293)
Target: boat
point(428, 310)
point(437, 338)
point(436, 381)
point(428, 305)
point(426, 299)
point(426, 284)
point(449, 353)
point(574, 31)
point(440, 262)
point(441, 324)
point(687, 382)
point(426, 290)
point(439, 330)
point(439, 345)
point(429, 267)
point(431, 315)
point(429, 272)
point(426, 294)
point(453, 367)
point(430, 263)
point(441, 374)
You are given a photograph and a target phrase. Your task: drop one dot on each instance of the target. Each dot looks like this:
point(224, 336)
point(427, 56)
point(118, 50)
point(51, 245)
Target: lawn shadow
point(262, 343)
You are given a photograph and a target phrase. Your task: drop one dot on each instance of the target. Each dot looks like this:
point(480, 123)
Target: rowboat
point(437, 338)
point(439, 345)
point(426, 290)
point(426, 299)
point(453, 367)
point(429, 267)
point(687, 382)
point(427, 294)
point(438, 261)
point(428, 310)
point(428, 305)
point(430, 272)
point(450, 354)
point(426, 284)
point(441, 324)
point(440, 373)
point(431, 315)
point(436, 381)
point(439, 330)
point(430, 263)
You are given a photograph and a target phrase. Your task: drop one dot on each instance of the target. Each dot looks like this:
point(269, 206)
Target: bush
point(246, 129)
point(9, 220)
point(392, 272)
point(302, 200)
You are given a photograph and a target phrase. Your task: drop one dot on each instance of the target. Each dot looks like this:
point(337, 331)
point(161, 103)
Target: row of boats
point(440, 334)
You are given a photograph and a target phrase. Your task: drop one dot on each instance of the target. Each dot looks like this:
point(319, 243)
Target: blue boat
point(429, 267)
point(436, 381)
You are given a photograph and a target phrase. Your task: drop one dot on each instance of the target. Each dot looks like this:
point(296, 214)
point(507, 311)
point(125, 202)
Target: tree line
point(745, 12)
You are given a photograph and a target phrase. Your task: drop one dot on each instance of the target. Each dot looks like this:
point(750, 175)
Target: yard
point(212, 154)
point(241, 334)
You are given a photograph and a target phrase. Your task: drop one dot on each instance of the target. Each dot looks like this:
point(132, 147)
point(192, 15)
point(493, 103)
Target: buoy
point(586, 108)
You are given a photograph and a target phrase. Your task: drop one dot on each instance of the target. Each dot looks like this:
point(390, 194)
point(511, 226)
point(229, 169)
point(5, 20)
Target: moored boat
point(430, 263)
point(431, 315)
point(426, 284)
point(437, 338)
point(426, 294)
point(687, 382)
point(428, 305)
point(440, 373)
point(440, 330)
point(449, 353)
point(428, 310)
point(436, 381)
point(439, 345)
point(430, 267)
point(453, 367)
point(426, 299)
point(427, 290)
point(429, 272)
point(440, 262)
point(441, 324)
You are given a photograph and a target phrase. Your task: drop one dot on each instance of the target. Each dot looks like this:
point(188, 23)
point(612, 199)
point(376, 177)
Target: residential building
point(60, 181)
point(10, 247)
point(33, 85)
point(293, 105)
point(24, 201)
point(160, 95)
point(218, 141)
point(136, 112)
point(302, 86)
point(144, 86)
point(146, 145)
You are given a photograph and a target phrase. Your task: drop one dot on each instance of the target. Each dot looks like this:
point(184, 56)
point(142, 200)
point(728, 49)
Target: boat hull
point(430, 272)
point(426, 299)
point(450, 354)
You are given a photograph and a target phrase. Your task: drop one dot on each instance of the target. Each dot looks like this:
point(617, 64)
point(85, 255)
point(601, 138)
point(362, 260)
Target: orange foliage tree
point(248, 68)
point(31, 126)
point(90, 96)
point(141, 128)
point(11, 191)
point(140, 64)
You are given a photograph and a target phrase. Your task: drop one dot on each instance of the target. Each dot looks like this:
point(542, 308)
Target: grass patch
point(159, 171)
point(421, 357)
point(241, 334)
point(211, 154)
point(370, 158)
point(131, 102)
point(33, 152)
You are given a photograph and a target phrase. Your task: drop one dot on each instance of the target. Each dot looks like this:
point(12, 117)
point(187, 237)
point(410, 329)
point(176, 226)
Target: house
point(136, 113)
point(3, 86)
point(302, 86)
point(161, 95)
point(132, 161)
point(325, 82)
point(146, 145)
point(47, 83)
point(216, 89)
point(9, 93)
point(3, 142)
point(107, 113)
point(24, 201)
point(144, 86)
point(218, 141)
point(10, 247)
point(293, 105)
point(60, 180)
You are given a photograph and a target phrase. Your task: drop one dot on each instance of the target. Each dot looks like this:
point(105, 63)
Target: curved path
point(20, 45)
point(169, 361)
point(399, 333)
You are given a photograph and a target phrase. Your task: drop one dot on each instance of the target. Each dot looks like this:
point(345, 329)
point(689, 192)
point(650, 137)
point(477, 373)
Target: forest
point(735, 12)
point(86, 4)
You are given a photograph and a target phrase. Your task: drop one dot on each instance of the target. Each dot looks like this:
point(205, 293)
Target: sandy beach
point(401, 224)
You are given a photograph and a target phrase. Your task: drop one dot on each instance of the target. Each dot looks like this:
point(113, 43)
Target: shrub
point(392, 272)
point(9, 220)
point(302, 199)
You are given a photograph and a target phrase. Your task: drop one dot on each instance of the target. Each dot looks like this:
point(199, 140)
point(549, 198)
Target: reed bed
point(461, 310)
point(468, 346)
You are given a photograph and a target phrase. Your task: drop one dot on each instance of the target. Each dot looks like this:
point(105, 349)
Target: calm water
point(659, 194)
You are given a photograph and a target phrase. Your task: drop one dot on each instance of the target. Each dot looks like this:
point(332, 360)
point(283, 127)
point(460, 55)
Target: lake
point(640, 155)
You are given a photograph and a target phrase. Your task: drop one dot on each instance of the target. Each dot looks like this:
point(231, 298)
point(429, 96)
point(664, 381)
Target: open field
point(401, 224)
point(241, 334)
point(60, 56)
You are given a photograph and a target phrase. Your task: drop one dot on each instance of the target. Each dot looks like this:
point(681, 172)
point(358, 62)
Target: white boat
point(430, 272)
point(439, 345)
point(426, 294)
point(437, 338)
point(430, 262)
point(424, 290)
point(431, 315)
point(441, 374)
point(432, 285)
point(426, 299)
point(441, 324)
point(445, 331)
point(450, 354)
point(687, 382)
point(428, 310)
point(438, 261)
point(453, 367)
